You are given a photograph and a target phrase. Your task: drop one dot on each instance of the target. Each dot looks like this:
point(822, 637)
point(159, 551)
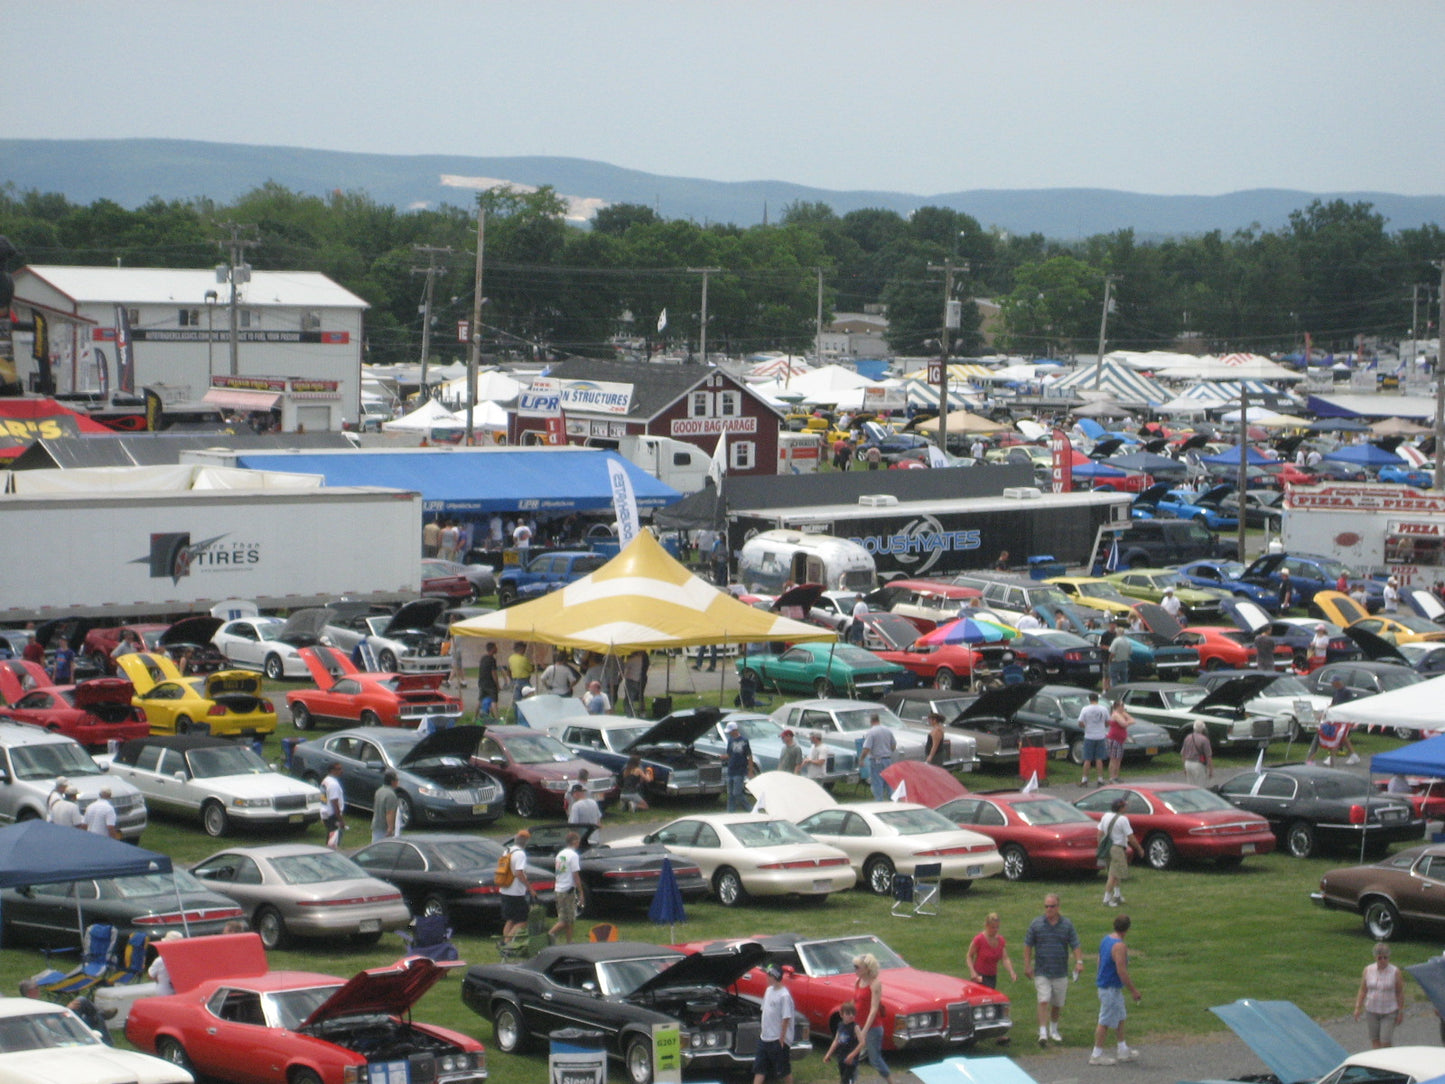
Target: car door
point(145, 775)
point(46, 913)
point(235, 875)
point(236, 1044)
point(363, 774)
point(680, 837)
point(1273, 797)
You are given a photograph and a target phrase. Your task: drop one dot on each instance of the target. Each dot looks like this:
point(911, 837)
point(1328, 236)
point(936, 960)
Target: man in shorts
point(568, 865)
point(517, 896)
point(1094, 718)
point(774, 1057)
point(1111, 982)
point(1047, 944)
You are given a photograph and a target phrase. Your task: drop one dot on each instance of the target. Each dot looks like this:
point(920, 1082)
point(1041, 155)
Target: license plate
point(479, 810)
point(1151, 752)
point(974, 871)
point(295, 818)
point(821, 884)
point(371, 925)
point(1061, 754)
point(1247, 848)
point(1093, 669)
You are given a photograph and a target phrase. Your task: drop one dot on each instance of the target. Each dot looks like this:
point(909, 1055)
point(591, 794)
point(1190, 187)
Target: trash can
point(661, 707)
point(1034, 759)
point(577, 1056)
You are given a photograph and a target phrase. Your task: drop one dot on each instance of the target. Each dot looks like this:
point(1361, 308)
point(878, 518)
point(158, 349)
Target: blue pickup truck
point(545, 574)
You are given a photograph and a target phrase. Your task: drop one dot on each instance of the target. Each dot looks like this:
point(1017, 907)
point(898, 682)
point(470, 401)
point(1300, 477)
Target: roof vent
point(1023, 493)
point(877, 500)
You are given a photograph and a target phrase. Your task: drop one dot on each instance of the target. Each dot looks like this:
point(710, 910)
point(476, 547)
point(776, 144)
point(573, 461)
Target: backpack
point(504, 876)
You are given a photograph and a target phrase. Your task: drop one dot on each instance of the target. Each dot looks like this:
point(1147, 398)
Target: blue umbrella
point(666, 903)
point(969, 630)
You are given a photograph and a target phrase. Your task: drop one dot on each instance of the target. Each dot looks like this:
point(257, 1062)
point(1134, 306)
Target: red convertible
point(1179, 820)
point(92, 713)
point(1035, 832)
point(252, 1025)
point(921, 1009)
point(347, 696)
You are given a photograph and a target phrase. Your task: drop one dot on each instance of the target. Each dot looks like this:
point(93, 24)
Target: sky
point(1164, 96)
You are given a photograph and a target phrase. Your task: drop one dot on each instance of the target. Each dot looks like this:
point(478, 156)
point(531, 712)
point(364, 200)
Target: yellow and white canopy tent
point(641, 599)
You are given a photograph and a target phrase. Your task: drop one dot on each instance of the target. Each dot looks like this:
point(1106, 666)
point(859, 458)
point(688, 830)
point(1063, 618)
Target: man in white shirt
point(517, 895)
point(815, 760)
point(55, 795)
point(1094, 718)
point(584, 809)
point(1028, 622)
point(333, 815)
point(774, 1057)
point(1392, 595)
point(99, 816)
point(855, 630)
point(66, 812)
point(568, 866)
point(1116, 828)
point(1170, 603)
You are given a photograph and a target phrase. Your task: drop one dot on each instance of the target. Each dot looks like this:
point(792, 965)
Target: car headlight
point(556, 784)
point(251, 803)
point(431, 790)
point(983, 1014)
point(922, 1021)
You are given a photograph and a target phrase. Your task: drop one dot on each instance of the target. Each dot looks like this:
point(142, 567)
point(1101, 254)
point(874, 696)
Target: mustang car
point(921, 1009)
point(1226, 709)
point(407, 641)
point(1404, 890)
point(346, 695)
point(94, 713)
point(622, 989)
point(822, 670)
point(987, 718)
point(1228, 576)
point(1282, 696)
point(226, 702)
point(267, 644)
point(1034, 832)
point(233, 1019)
point(437, 781)
point(1059, 706)
point(1401, 628)
point(1200, 604)
point(1179, 820)
point(222, 782)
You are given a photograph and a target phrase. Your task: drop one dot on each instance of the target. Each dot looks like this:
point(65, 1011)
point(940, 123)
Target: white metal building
point(291, 325)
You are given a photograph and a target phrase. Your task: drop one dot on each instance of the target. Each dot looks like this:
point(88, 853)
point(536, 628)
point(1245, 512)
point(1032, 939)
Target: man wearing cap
point(792, 757)
point(66, 812)
point(583, 809)
point(1392, 595)
point(1115, 827)
point(739, 753)
point(61, 782)
point(1286, 591)
point(877, 752)
point(99, 816)
point(1170, 603)
point(1319, 648)
point(774, 1057)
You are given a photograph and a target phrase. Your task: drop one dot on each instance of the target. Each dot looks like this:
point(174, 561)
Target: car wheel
point(1159, 851)
point(1035, 672)
point(507, 1030)
point(387, 661)
point(300, 717)
point(524, 800)
point(1076, 751)
point(433, 905)
point(823, 688)
point(878, 876)
point(1214, 664)
point(302, 1076)
point(273, 668)
point(183, 724)
point(1382, 920)
point(405, 811)
point(271, 927)
point(945, 679)
point(214, 819)
point(172, 1051)
point(1299, 839)
point(1404, 733)
point(727, 886)
point(369, 718)
point(506, 596)
point(1015, 863)
point(638, 1060)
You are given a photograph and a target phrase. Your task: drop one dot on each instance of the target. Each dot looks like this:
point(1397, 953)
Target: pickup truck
point(545, 574)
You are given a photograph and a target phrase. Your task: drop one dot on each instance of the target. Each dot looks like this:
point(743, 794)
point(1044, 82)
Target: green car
point(1201, 604)
point(822, 670)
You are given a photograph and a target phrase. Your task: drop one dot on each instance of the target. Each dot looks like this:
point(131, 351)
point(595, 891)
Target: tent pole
point(180, 905)
point(722, 672)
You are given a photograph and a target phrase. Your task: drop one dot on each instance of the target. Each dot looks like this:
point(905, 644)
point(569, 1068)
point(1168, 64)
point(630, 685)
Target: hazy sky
point(1163, 96)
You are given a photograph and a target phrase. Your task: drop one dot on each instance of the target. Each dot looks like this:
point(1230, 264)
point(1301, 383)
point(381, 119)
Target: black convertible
point(615, 876)
point(623, 988)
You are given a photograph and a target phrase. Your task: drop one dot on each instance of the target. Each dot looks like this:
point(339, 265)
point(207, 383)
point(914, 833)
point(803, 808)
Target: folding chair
point(917, 894)
point(131, 961)
point(603, 931)
point(430, 937)
point(529, 942)
point(97, 959)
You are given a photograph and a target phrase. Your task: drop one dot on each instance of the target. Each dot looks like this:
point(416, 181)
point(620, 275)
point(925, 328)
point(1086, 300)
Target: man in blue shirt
point(740, 766)
point(1112, 979)
point(1047, 944)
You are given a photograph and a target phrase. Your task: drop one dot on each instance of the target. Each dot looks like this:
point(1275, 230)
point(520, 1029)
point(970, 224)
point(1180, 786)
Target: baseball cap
point(732, 725)
point(787, 734)
point(774, 971)
point(61, 781)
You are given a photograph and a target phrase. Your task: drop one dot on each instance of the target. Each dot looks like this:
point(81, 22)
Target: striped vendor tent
point(1117, 380)
point(922, 393)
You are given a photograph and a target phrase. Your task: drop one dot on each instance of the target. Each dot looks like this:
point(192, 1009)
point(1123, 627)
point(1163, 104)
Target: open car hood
point(416, 616)
point(1236, 691)
point(384, 991)
point(791, 797)
point(147, 670)
point(999, 703)
point(1153, 495)
point(925, 784)
point(804, 596)
point(305, 625)
point(1157, 620)
point(196, 630)
point(1213, 495)
point(679, 728)
point(20, 676)
point(1424, 603)
point(544, 710)
point(1376, 647)
point(89, 694)
point(715, 967)
point(192, 960)
point(1295, 1048)
point(1338, 608)
point(326, 665)
point(1249, 616)
point(457, 741)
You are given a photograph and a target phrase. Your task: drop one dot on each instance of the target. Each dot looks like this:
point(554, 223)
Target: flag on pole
point(719, 465)
point(661, 320)
point(900, 792)
point(1259, 760)
point(624, 501)
point(1032, 785)
point(1111, 562)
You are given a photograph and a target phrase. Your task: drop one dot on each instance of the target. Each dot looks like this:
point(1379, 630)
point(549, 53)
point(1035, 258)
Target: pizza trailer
point(1372, 528)
point(945, 537)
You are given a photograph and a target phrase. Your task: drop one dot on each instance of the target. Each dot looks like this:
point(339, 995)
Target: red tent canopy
point(23, 421)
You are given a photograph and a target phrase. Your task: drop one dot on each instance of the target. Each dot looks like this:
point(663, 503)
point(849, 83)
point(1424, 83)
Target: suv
point(1011, 596)
point(30, 761)
point(1156, 543)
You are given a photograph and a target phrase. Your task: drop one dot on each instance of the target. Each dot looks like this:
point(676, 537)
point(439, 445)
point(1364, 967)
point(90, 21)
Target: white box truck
point(679, 464)
point(142, 553)
point(1372, 527)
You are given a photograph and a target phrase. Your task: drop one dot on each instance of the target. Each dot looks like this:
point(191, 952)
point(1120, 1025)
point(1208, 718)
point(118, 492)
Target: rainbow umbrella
point(970, 630)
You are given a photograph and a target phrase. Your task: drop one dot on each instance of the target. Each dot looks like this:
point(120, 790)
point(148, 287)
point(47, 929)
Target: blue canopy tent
point(1366, 455)
point(1096, 471)
point(1422, 758)
point(1230, 457)
point(1148, 462)
point(545, 480)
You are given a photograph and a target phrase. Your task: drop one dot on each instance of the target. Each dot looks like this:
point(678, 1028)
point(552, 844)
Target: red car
point(436, 583)
point(99, 642)
point(347, 696)
point(538, 770)
point(1035, 832)
point(233, 1019)
point(1218, 647)
point(19, 676)
point(895, 638)
point(1179, 820)
point(92, 713)
point(921, 1009)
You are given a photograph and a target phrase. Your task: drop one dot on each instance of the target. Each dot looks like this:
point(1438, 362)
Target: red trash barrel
point(1034, 758)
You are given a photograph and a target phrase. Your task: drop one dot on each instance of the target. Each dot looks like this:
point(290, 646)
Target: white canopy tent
point(421, 420)
point(1415, 707)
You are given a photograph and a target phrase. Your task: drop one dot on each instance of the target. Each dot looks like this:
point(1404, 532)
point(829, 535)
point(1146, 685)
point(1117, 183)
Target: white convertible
point(41, 1043)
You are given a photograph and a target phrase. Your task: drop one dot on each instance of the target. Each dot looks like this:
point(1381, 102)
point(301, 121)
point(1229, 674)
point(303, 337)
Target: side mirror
point(649, 838)
point(180, 776)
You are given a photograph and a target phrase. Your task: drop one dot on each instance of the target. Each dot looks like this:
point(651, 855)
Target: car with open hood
point(407, 641)
point(1405, 890)
point(923, 1010)
point(227, 702)
point(268, 644)
point(539, 771)
point(32, 759)
point(1403, 627)
point(879, 838)
point(42, 1043)
point(224, 784)
point(925, 604)
point(896, 639)
point(1309, 574)
point(1228, 576)
point(301, 890)
point(1058, 707)
point(1226, 708)
point(1425, 657)
point(1217, 646)
point(1296, 633)
point(988, 718)
point(823, 670)
point(1282, 696)
point(346, 695)
point(94, 713)
point(843, 723)
point(436, 780)
point(1034, 831)
point(623, 989)
point(233, 1019)
point(766, 739)
point(100, 640)
point(1177, 821)
point(667, 747)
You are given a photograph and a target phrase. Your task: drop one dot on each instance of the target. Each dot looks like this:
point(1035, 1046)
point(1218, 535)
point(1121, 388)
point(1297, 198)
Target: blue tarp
point(485, 480)
point(1365, 455)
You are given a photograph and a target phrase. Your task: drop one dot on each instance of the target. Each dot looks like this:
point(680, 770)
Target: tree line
point(1334, 271)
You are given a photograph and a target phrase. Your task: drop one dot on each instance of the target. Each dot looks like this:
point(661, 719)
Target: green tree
point(1051, 306)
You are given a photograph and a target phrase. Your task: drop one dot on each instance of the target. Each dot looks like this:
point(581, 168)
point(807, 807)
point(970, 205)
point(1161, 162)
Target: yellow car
point(1399, 628)
point(227, 703)
point(1097, 592)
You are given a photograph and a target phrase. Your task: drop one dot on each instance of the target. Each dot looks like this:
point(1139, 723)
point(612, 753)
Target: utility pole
point(818, 323)
point(235, 272)
point(431, 271)
point(952, 318)
point(1109, 281)
point(1241, 478)
point(702, 334)
point(1440, 384)
point(474, 354)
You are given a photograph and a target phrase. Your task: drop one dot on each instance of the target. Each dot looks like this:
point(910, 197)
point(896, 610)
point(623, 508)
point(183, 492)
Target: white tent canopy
point(494, 386)
point(484, 416)
point(1415, 707)
point(422, 419)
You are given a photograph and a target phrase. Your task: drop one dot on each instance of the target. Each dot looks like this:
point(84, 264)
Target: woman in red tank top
point(868, 998)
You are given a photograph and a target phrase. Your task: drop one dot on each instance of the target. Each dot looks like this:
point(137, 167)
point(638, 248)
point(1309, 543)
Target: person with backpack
point(512, 885)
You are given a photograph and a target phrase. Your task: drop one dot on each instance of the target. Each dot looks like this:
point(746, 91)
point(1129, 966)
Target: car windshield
point(316, 867)
point(50, 759)
point(268, 628)
point(1333, 570)
point(1049, 811)
point(1230, 570)
point(771, 833)
point(467, 853)
point(537, 749)
point(857, 720)
point(860, 580)
point(1102, 589)
point(1193, 800)
point(222, 760)
point(289, 1008)
point(1070, 704)
point(43, 1030)
point(849, 655)
point(1051, 595)
point(1417, 624)
point(622, 736)
point(835, 957)
point(1392, 681)
point(621, 977)
point(1285, 685)
point(1183, 699)
point(913, 822)
point(755, 727)
point(1162, 580)
point(150, 884)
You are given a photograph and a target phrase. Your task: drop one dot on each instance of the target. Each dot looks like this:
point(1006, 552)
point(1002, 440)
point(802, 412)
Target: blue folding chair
point(97, 960)
point(131, 965)
point(430, 937)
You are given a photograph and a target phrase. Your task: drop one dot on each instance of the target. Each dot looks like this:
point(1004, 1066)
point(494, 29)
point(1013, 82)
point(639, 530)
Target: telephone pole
point(1109, 281)
point(431, 271)
point(474, 352)
point(1440, 384)
point(702, 335)
point(236, 273)
point(952, 319)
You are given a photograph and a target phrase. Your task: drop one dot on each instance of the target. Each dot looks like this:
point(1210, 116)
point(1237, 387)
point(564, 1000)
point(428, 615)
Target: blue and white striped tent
point(1121, 383)
point(923, 394)
point(1210, 391)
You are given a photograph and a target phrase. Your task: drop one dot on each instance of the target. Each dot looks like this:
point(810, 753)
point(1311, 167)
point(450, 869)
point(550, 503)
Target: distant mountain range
point(132, 171)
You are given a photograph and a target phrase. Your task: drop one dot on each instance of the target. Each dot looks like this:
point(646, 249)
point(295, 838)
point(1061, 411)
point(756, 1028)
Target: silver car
point(31, 759)
point(843, 724)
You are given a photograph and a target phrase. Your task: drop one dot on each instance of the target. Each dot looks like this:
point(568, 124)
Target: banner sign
point(624, 502)
point(542, 400)
point(1063, 466)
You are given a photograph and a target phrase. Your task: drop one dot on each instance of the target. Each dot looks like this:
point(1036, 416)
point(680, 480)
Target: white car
point(267, 644)
point(41, 1043)
point(407, 642)
point(223, 782)
point(753, 854)
point(843, 723)
point(879, 838)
